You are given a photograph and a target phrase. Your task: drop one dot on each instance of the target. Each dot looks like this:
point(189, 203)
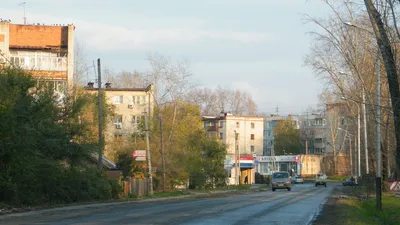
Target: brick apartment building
point(47, 52)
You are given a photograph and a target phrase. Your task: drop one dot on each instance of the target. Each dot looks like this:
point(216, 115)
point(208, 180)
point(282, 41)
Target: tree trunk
point(391, 72)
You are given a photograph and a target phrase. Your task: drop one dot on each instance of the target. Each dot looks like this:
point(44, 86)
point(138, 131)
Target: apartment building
point(270, 122)
point(313, 133)
point(47, 52)
point(248, 130)
point(130, 105)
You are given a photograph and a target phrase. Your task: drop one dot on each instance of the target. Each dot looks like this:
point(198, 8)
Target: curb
point(317, 211)
point(98, 205)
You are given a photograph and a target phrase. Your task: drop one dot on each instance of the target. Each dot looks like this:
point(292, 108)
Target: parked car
point(320, 179)
point(298, 180)
point(349, 182)
point(281, 180)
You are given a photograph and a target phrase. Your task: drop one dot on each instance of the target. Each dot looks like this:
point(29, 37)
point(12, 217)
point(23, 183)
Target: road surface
point(298, 206)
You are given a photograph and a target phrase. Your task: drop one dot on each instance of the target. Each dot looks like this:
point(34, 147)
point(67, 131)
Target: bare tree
point(385, 47)
point(214, 101)
point(125, 79)
point(346, 44)
point(80, 63)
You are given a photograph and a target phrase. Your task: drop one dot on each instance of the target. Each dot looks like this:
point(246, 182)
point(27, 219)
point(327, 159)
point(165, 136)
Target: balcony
point(212, 128)
point(50, 63)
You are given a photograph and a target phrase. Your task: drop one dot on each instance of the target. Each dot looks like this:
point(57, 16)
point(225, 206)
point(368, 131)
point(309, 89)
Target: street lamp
point(365, 127)
point(378, 179)
point(358, 135)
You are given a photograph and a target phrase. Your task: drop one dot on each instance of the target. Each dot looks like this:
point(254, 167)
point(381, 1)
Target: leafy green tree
point(189, 154)
point(41, 160)
point(286, 138)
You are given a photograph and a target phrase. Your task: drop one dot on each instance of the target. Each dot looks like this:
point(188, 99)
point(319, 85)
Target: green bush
point(41, 161)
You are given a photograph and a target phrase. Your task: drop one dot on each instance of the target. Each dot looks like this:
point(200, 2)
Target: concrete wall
point(38, 36)
point(309, 165)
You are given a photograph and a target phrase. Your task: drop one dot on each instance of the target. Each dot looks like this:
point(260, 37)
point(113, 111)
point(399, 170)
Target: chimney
point(108, 85)
point(222, 114)
point(90, 85)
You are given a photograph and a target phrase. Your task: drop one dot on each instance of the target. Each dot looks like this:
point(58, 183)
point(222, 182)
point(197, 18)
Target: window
point(221, 124)
point(252, 148)
point(132, 101)
point(142, 100)
point(118, 99)
point(137, 119)
point(237, 125)
point(221, 135)
point(118, 121)
point(252, 125)
point(252, 136)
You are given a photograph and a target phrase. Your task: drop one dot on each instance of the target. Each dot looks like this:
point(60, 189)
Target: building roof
point(225, 116)
point(148, 88)
point(117, 89)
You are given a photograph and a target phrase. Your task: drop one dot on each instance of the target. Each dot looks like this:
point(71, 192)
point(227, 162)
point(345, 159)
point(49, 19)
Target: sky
point(257, 46)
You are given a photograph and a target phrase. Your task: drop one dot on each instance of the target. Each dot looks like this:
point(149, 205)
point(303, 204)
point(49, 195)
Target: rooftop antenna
point(24, 4)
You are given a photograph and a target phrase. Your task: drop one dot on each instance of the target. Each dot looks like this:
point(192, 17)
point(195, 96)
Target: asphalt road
point(298, 206)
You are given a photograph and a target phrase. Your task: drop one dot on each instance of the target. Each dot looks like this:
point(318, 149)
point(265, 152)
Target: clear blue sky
point(253, 45)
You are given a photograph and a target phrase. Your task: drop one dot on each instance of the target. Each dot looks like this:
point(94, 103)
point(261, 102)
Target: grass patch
point(165, 194)
point(241, 187)
point(351, 211)
point(338, 178)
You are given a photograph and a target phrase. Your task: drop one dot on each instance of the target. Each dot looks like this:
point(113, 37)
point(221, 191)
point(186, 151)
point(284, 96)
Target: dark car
point(349, 182)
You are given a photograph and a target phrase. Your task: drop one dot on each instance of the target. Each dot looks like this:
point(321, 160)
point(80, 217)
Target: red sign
point(139, 155)
point(296, 158)
point(246, 157)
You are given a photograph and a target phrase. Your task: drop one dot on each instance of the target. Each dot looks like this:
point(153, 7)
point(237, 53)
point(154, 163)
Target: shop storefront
point(246, 171)
point(266, 165)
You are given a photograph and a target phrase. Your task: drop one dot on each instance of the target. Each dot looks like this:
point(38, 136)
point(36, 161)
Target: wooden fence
point(138, 187)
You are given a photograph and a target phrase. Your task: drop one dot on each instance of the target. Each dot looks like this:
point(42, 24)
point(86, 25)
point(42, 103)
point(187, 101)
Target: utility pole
point(365, 133)
point(359, 142)
point(146, 123)
point(351, 157)
point(236, 159)
point(307, 132)
point(378, 180)
point(239, 155)
point(100, 109)
point(162, 151)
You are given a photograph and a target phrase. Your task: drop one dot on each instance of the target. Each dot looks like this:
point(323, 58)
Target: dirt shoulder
point(345, 208)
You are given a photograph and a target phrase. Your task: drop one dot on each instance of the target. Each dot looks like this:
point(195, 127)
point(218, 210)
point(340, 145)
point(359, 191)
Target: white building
point(249, 142)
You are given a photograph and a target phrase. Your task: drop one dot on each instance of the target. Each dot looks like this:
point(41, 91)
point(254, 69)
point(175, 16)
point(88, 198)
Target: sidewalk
point(254, 187)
